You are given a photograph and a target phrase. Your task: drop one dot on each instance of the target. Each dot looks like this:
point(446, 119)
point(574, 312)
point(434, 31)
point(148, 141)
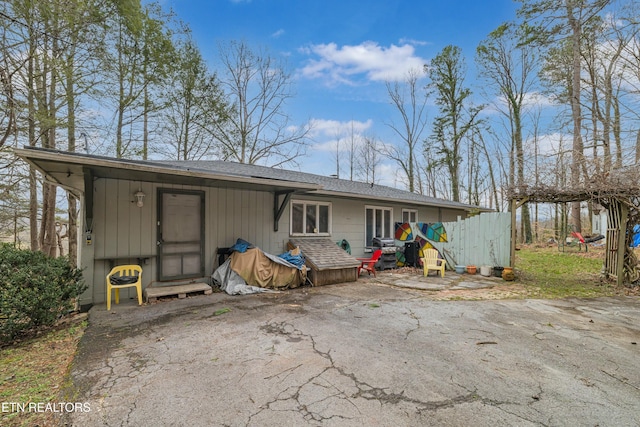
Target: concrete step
point(152, 294)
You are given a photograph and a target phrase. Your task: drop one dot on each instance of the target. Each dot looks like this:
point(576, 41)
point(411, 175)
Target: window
point(310, 218)
point(377, 223)
point(409, 215)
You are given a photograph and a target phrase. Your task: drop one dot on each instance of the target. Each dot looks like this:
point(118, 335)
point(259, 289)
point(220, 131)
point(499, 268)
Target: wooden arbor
point(619, 194)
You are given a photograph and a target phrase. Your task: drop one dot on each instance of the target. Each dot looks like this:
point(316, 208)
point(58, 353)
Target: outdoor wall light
point(139, 195)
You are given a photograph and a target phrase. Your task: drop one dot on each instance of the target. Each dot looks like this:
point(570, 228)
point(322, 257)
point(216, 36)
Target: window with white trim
point(378, 223)
point(409, 215)
point(310, 218)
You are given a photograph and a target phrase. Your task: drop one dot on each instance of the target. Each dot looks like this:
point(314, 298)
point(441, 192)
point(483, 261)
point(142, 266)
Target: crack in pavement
point(364, 390)
point(499, 404)
point(343, 362)
point(417, 319)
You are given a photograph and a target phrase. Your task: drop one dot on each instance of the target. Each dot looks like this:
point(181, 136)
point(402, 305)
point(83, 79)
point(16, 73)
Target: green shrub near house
point(35, 290)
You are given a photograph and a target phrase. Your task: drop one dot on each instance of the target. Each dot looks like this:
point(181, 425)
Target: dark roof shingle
point(330, 185)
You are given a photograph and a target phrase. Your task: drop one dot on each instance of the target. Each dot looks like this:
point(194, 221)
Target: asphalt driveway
point(362, 354)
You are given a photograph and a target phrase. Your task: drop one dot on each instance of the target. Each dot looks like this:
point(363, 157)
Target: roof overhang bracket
point(278, 208)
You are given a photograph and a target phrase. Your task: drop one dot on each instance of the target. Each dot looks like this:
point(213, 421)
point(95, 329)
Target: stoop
point(153, 293)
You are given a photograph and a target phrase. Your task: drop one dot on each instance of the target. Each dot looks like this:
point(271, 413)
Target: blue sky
point(342, 52)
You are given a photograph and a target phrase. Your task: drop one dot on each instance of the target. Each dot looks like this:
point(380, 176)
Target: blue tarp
point(241, 246)
point(297, 260)
point(635, 242)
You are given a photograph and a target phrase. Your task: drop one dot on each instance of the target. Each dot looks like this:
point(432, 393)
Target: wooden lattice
point(619, 193)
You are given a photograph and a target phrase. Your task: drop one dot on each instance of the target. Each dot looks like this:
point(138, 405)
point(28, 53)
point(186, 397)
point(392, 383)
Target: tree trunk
point(72, 205)
point(638, 147)
point(31, 125)
point(145, 123)
point(576, 113)
point(617, 132)
point(49, 236)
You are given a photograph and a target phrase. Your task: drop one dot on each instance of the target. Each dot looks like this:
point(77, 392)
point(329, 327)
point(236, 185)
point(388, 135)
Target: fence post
point(622, 242)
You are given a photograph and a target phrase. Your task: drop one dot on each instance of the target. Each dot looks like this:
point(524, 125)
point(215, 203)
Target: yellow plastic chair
point(430, 261)
point(124, 276)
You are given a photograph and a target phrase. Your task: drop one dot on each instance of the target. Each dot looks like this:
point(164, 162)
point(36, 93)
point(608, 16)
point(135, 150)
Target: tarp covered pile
point(250, 270)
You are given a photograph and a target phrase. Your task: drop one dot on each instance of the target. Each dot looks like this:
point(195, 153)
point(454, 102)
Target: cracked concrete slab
point(360, 354)
point(472, 285)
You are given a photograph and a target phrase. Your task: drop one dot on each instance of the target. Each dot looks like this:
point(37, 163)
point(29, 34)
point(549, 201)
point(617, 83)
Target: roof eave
point(435, 203)
point(67, 169)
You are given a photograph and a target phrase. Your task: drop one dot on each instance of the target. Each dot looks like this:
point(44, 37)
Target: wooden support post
point(512, 254)
point(622, 242)
point(515, 204)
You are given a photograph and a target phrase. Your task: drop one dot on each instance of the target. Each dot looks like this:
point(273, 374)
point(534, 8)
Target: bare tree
point(195, 103)
point(549, 23)
point(637, 150)
point(140, 53)
point(338, 135)
point(353, 141)
point(369, 159)
point(457, 116)
point(509, 69)
point(259, 130)
point(602, 59)
point(410, 100)
point(8, 119)
point(478, 137)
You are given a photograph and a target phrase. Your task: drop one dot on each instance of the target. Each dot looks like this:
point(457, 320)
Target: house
point(172, 216)
point(599, 227)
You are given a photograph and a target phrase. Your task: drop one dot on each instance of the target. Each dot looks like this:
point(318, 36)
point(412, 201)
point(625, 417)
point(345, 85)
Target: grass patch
point(548, 273)
point(221, 311)
point(35, 370)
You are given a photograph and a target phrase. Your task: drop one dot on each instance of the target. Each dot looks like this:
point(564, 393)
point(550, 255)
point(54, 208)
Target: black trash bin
point(411, 254)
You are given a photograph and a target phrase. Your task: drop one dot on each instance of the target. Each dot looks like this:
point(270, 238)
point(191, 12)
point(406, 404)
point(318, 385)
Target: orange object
point(369, 264)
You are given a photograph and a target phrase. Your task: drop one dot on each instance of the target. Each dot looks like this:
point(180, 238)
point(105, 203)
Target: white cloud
point(332, 135)
point(413, 42)
point(537, 99)
point(550, 144)
point(327, 134)
point(277, 33)
point(346, 63)
point(337, 129)
point(387, 174)
point(531, 100)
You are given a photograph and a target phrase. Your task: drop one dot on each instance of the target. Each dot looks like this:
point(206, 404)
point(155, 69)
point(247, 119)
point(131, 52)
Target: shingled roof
point(329, 185)
point(71, 169)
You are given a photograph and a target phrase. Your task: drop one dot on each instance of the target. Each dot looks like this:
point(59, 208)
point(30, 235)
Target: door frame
point(161, 193)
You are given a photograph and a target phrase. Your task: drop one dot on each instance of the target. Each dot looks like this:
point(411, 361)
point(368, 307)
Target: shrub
point(35, 290)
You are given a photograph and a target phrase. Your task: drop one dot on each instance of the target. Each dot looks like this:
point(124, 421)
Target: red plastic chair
point(369, 264)
point(578, 236)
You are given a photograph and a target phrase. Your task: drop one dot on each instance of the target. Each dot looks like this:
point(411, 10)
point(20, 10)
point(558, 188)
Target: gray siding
point(349, 218)
point(124, 231)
